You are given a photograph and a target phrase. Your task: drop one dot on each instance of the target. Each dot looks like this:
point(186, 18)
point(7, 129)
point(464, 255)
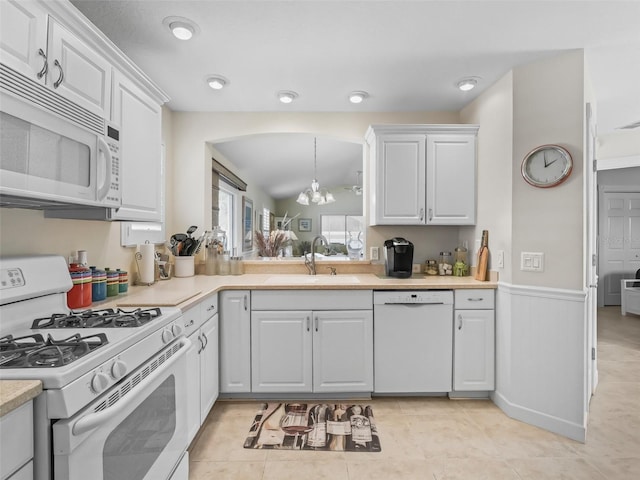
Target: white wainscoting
point(541, 357)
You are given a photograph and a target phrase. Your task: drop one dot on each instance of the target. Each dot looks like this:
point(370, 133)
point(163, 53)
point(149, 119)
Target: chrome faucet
point(311, 264)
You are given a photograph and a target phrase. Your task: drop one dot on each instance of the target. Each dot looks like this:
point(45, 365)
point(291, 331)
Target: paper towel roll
point(147, 263)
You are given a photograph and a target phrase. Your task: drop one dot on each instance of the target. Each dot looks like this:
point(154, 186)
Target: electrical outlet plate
point(500, 258)
point(532, 261)
point(374, 253)
point(415, 268)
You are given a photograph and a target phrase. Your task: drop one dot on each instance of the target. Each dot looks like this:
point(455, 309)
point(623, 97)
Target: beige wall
point(548, 107)
point(493, 111)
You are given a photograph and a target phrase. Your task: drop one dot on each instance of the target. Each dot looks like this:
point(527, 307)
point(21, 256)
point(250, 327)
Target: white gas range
point(114, 380)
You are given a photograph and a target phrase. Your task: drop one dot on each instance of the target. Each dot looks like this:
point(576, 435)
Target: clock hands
point(546, 164)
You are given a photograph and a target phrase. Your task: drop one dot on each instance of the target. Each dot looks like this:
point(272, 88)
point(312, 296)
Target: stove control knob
point(177, 330)
point(99, 382)
point(118, 369)
point(167, 335)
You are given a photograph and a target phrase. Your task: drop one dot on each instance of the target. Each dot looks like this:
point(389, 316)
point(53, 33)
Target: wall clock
point(547, 166)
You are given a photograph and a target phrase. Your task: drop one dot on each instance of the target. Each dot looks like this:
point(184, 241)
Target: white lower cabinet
point(474, 341)
point(311, 350)
point(235, 341)
point(201, 326)
point(16, 440)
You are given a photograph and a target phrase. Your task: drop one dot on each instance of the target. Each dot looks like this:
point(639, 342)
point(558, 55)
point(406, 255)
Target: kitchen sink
point(296, 279)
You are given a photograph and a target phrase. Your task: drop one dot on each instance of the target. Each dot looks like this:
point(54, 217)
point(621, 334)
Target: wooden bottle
point(483, 258)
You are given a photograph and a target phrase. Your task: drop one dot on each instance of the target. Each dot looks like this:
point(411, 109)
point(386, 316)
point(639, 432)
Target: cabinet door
point(343, 351)
point(399, 186)
point(139, 119)
point(451, 179)
point(193, 385)
point(209, 381)
point(281, 343)
point(235, 341)
point(474, 350)
point(77, 72)
point(23, 34)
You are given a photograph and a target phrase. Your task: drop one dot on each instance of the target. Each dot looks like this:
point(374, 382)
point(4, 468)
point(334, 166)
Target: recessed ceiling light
point(217, 82)
point(287, 96)
point(181, 28)
point(357, 96)
point(467, 83)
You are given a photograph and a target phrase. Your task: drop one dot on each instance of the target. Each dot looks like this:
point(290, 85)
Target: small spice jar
point(123, 281)
point(431, 267)
point(98, 284)
point(113, 282)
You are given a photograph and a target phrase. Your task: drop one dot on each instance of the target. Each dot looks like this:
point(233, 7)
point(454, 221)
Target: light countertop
point(184, 292)
point(14, 393)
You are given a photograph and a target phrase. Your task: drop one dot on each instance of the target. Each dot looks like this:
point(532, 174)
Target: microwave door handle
point(103, 148)
point(93, 420)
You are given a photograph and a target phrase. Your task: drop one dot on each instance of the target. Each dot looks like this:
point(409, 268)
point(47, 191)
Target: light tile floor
point(436, 438)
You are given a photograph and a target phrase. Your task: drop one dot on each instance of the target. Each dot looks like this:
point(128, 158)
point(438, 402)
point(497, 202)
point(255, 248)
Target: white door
point(400, 180)
point(281, 343)
point(23, 38)
point(451, 179)
point(343, 351)
point(591, 256)
point(620, 240)
point(235, 341)
point(474, 350)
point(209, 382)
point(77, 72)
point(139, 119)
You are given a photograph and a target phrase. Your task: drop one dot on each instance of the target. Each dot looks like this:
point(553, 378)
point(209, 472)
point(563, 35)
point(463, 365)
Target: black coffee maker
point(398, 257)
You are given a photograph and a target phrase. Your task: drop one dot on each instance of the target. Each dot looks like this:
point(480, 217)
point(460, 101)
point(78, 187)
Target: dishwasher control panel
point(424, 297)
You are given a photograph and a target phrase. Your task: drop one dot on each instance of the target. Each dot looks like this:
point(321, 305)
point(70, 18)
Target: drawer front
point(191, 320)
point(477, 299)
point(209, 307)
point(311, 300)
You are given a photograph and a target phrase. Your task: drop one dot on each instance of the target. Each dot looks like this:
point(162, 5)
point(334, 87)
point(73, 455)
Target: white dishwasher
point(413, 341)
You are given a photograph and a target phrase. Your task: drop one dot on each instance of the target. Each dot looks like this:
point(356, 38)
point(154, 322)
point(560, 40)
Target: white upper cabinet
point(422, 174)
point(59, 59)
point(23, 37)
point(78, 72)
point(140, 122)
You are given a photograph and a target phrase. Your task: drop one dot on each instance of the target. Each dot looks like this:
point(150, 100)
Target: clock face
point(547, 166)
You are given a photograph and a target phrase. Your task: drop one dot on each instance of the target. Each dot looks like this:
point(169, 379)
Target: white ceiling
point(407, 54)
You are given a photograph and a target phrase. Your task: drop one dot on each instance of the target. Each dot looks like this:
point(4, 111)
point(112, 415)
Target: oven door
point(137, 430)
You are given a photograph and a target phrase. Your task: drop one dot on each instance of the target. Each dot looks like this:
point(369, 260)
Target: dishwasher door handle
point(414, 304)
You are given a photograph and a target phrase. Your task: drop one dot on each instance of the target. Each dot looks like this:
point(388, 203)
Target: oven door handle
point(94, 420)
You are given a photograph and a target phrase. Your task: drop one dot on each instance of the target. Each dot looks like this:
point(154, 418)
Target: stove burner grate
point(104, 318)
point(35, 351)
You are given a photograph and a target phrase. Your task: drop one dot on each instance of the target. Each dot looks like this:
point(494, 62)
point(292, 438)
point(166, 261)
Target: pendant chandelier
point(315, 194)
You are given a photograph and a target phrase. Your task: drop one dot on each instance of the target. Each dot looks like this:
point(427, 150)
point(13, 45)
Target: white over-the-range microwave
point(55, 155)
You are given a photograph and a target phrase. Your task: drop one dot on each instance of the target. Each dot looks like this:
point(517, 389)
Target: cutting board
point(156, 298)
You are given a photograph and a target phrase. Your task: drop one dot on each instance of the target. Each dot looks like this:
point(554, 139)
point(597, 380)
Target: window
point(340, 229)
point(266, 227)
point(227, 203)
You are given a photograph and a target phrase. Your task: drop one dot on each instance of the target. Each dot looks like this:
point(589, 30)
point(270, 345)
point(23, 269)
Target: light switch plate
point(374, 253)
point(532, 261)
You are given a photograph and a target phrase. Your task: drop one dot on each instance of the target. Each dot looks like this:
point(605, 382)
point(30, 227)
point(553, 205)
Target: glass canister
point(431, 267)
point(224, 267)
point(80, 294)
point(445, 266)
point(98, 284)
point(460, 266)
point(237, 266)
point(113, 282)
